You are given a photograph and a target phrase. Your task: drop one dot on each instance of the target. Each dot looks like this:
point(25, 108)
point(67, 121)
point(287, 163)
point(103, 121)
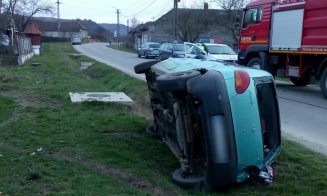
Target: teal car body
point(241, 129)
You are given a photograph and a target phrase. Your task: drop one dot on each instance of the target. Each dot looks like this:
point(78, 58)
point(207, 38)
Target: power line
point(142, 9)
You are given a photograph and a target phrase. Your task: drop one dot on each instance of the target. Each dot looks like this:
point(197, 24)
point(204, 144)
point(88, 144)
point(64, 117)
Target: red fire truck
point(287, 38)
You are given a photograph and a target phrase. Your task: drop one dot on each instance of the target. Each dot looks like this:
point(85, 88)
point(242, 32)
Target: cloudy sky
point(104, 11)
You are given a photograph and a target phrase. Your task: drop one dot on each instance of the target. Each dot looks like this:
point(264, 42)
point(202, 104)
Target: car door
point(169, 51)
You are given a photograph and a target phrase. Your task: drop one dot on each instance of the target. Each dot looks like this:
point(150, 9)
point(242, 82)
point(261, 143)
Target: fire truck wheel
point(305, 80)
point(255, 63)
point(323, 83)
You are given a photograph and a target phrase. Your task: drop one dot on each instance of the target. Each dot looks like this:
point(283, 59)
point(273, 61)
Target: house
point(193, 24)
point(64, 29)
point(33, 32)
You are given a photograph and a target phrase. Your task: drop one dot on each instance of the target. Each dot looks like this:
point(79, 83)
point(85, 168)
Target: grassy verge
point(50, 146)
point(123, 48)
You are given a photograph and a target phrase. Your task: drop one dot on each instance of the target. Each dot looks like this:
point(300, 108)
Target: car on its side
point(150, 49)
point(76, 41)
point(175, 50)
point(220, 52)
point(219, 120)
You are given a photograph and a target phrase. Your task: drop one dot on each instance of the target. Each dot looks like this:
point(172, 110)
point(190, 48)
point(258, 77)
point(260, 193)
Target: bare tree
point(134, 22)
point(230, 8)
point(21, 11)
point(191, 24)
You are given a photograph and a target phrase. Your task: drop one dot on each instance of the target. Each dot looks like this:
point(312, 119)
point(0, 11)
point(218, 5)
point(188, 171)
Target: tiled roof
point(32, 29)
point(65, 25)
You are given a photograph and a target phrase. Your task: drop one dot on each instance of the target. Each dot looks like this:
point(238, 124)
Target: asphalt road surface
point(303, 110)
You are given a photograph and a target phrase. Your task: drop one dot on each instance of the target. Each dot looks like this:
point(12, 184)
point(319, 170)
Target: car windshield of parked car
point(219, 49)
point(179, 47)
point(154, 45)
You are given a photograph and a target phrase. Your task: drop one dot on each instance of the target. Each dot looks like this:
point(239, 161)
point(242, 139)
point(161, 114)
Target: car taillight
point(242, 81)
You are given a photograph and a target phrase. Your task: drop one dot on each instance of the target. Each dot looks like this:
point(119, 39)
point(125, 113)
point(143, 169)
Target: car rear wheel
point(174, 82)
point(323, 83)
point(139, 55)
point(187, 180)
point(144, 67)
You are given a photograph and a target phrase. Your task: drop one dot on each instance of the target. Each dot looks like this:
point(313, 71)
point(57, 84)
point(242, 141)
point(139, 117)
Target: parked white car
point(194, 51)
point(221, 52)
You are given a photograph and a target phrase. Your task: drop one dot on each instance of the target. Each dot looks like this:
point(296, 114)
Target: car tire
point(323, 83)
point(144, 67)
point(139, 55)
point(305, 80)
point(174, 82)
point(146, 55)
point(255, 63)
point(186, 181)
point(153, 132)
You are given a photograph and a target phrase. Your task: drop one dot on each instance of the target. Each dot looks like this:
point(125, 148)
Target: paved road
point(303, 109)
point(120, 60)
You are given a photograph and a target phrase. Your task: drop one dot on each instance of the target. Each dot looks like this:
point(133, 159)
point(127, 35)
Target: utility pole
point(58, 15)
point(175, 17)
point(12, 22)
point(118, 12)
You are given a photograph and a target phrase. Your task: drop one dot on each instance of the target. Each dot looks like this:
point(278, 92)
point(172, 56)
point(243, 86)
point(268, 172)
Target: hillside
point(113, 28)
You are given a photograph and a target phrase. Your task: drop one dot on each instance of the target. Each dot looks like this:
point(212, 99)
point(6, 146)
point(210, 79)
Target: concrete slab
point(117, 97)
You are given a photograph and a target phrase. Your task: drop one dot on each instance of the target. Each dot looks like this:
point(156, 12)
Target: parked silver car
point(4, 39)
point(150, 49)
point(76, 41)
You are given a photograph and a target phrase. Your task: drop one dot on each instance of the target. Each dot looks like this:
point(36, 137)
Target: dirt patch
point(122, 176)
point(30, 100)
point(128, 178)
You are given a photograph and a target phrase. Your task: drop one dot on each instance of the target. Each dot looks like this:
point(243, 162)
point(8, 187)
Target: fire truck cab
point(287, 38)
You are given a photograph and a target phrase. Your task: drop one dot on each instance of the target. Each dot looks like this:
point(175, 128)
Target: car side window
point(163, 46)
point(252, 16)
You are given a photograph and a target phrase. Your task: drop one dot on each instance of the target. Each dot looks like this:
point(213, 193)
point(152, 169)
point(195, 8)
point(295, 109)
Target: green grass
point(123, 48)
point(101, 149)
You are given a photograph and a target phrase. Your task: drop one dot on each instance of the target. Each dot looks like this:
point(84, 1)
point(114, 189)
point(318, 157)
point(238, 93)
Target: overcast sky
point(104, 11)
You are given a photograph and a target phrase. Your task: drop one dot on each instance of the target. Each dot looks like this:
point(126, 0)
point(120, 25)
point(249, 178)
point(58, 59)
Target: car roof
point(173, 65)
point(210, 44)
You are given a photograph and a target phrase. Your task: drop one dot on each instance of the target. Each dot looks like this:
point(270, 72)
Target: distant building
point(66, 29)
point(194, 24)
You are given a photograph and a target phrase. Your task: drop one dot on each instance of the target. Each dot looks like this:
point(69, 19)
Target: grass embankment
point(51, 146)
point(123, 48)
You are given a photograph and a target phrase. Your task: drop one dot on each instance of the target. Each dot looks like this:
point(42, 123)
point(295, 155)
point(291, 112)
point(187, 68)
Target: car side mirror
point(238, 19)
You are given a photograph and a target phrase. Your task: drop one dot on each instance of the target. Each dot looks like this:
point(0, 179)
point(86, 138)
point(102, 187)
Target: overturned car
point(221, 121)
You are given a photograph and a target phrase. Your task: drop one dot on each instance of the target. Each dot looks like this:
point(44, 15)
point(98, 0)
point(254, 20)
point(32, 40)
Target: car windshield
point(154, 45)
point(220, 49)
point(179, 47)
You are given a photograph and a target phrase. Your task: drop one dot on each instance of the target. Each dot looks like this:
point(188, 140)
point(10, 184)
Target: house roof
point(32, 29)
point(65, 25)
